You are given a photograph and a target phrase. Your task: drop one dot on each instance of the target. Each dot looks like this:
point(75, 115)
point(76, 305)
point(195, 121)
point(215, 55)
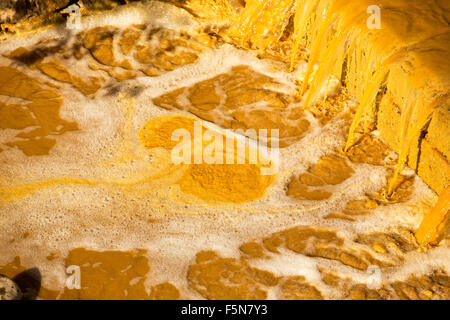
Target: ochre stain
point(38, 117)
point(210, 182)
point(228, 278)
point(313, 184)
point(104, 275)
point(108, 274)
point(241, 99)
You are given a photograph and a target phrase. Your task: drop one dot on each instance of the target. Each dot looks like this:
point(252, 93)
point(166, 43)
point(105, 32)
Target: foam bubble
point(105, 217)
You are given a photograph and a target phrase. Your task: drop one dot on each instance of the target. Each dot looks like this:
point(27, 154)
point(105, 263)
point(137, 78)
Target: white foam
point(103, 217)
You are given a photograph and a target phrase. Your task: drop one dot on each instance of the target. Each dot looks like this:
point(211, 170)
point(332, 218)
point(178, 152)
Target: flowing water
point(86, 177)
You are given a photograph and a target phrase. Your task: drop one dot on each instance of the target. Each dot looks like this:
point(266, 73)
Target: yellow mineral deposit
point(210, 182)
point(129, 151)
point(241, 99)
point(335, 32)
point(221, 182)
point(435, 222)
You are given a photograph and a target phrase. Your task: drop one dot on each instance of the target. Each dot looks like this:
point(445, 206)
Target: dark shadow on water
point(29, 282)
point(135, 91)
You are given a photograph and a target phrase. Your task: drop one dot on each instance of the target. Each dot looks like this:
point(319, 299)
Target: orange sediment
point(39, 108)
point(239, 182)
point(140, 226)
point(341, 42)
point(236, 182)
